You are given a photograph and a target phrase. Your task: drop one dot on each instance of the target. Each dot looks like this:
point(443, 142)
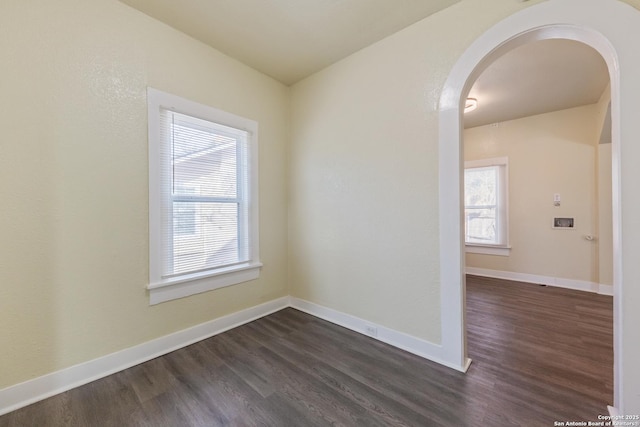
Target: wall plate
point(563, 223)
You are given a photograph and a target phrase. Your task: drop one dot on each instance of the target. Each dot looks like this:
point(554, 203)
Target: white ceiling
point(289, 39)
point(292, 39)
point(536, 78)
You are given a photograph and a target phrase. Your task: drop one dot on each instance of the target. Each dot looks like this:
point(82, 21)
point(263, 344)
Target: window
point(202, 198)
point(485, 206)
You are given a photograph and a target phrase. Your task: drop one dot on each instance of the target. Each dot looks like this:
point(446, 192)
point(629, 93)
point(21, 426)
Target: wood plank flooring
point(540, 355)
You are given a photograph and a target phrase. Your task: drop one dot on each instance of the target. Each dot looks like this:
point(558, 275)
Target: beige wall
point(605, 200)
point(548, 154)
point(605, 220)
point(73, 179)
point(363, 213)
point(363, 210)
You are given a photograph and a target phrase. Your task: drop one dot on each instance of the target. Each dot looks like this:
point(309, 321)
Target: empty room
point(253, 212)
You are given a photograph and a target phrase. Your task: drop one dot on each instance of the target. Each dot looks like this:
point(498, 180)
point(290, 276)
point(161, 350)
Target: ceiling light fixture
point(470, 105)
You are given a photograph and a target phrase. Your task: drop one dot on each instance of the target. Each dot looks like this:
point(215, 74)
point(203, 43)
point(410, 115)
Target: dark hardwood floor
point(540, 355)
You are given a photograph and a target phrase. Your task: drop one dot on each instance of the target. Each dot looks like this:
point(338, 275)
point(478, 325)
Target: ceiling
point(289, 39)
point(535, 78)
point(292, 39)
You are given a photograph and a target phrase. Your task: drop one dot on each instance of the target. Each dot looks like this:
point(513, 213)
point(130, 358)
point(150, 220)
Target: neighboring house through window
point(202, 198)
point(486, 217)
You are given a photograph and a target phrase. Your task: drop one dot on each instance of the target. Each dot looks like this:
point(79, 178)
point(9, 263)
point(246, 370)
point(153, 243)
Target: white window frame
point(504, 248)
point(161, 288)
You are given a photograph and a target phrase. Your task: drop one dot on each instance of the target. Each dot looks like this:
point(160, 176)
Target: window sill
point(488, 250)
point(184, 286)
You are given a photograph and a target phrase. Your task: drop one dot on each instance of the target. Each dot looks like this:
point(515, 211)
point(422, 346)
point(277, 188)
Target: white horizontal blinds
point(481, 192)
point(204, 195)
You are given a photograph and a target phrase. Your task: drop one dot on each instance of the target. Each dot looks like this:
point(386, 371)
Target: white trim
point(186, 286)
point(558, 282)
point(605, 289)
point(161, 288)
point(411, 344)
point(31, 391)
point(610, 27)
point(502, 196)
point(481, 163)
point(203, 275)
point(471, 248)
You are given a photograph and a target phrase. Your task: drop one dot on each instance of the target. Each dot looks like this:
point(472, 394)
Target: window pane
point(184, 219)
point(480, 225)
point(214, 240)
point(204, 160)
point(203, 203)
point(482, 210)
point(480, 186)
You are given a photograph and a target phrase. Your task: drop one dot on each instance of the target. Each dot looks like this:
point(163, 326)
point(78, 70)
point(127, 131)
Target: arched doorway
point(608, 26)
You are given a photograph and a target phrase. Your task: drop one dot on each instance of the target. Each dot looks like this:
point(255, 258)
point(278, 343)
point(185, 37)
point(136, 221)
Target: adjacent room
point(253, 212)
point(538, 150)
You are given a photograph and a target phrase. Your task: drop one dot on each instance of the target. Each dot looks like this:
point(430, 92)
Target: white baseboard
point(605, 289)
point(414, 345)
point(559, 282)
point(28, 392)
point(31, 391)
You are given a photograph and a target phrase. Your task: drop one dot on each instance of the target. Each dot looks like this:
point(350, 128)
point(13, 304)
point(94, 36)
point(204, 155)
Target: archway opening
point(535, 135)
point(582, 21)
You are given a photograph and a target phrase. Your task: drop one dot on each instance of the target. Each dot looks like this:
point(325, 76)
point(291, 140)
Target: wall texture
point(363, 212)
point(73, 177)
point(548, 153)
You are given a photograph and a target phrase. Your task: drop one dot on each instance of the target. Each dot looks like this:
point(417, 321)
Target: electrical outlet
point(372, 331)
